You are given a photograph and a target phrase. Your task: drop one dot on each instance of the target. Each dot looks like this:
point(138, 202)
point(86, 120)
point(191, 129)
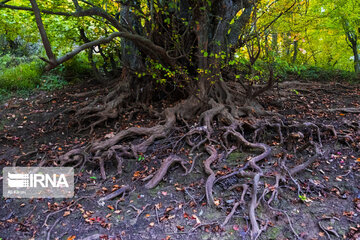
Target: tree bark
point(295, 51)
point(356, 58)
point(43, 34)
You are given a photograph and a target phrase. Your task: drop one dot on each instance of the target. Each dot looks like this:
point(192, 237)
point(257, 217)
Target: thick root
point(167, 163)
point(210, 180)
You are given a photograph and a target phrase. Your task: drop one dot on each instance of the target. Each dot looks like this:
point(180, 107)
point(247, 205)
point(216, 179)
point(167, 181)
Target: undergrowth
point(285, 71)
point(21, 76)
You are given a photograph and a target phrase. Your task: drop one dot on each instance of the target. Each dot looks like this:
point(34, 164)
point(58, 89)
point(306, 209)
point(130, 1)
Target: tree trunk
point(295, 51)
point(43, 34)
point(356, 58)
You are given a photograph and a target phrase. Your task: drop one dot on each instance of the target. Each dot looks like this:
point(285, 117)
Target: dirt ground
point(36, 129)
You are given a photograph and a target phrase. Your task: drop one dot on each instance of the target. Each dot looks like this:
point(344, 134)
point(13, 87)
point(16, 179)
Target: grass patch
point(23, 76)
point(26, 73)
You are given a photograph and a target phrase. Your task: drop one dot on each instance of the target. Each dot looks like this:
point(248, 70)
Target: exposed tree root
point(344, 110)
point(210, 180)
point(219, 132)
point(114, 194)
point(163, 170)
point(236, 205)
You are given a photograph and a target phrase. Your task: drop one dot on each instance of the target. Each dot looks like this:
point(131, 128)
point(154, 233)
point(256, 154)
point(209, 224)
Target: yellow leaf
point(71, 237)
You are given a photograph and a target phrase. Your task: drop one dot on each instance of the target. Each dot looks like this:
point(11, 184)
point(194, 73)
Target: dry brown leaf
point(66, 213)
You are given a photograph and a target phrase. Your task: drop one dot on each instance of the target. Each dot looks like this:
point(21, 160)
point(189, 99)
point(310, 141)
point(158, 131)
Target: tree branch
point(137, 39)
point(143, 43)
point(3, 5)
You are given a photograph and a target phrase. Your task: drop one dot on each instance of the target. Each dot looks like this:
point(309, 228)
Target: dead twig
point(48, 235)
point(139, 212)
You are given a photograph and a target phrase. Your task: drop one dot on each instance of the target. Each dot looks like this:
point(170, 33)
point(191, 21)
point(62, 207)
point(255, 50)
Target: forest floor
point(176, 208)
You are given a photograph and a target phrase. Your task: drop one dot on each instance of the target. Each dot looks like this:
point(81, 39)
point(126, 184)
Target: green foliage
point(285, 70)
point(303, 197)
point(26, 73)
point(11, 60)
point(52, 82)
point(141, 158)
point(78, 66)
point(328, 74)
point(22, 76)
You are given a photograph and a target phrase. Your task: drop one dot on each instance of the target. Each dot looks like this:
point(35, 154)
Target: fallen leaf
point(66, 213)
point(71, 237)
point(181, 228)
point(198, 222)
point(168, 209)
point(152, 224)
point(110, 135)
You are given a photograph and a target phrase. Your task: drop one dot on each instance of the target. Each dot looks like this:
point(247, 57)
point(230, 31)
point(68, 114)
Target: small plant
point(141, 158)
point(295, 91)
point(51, 82)
point(302, 197)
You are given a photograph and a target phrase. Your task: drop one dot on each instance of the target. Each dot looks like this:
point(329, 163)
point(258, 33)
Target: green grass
point(26, 73)
point(23, 76)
